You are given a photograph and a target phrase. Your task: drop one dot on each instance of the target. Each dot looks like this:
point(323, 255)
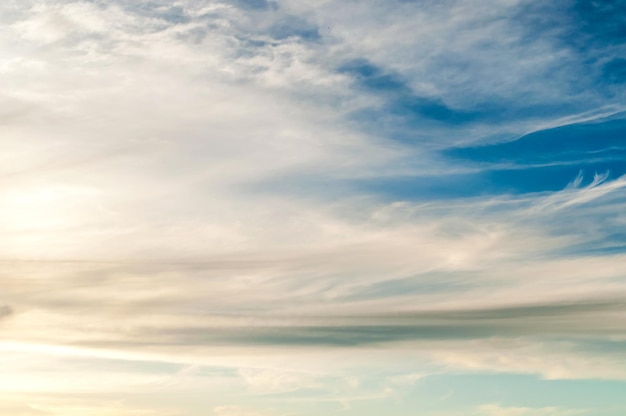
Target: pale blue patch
point(255, 4)
point(294, 27)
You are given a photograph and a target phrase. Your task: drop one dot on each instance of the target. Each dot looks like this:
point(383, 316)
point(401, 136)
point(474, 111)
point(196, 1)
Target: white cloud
point(268, 381)
point(171, 186)
point(234, 411)
point(55, 406)
point(549, 359)
point(497, 410)
point(53, 22)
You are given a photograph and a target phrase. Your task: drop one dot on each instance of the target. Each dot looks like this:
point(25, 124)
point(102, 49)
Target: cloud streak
point(307, 202)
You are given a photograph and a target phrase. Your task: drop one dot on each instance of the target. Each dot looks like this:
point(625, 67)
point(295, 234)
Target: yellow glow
point(36, 220)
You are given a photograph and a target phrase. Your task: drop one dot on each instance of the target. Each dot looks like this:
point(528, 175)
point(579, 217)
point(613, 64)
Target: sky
point(305, 208)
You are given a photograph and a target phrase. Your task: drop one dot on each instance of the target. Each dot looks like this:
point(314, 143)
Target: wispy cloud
point(309, 207)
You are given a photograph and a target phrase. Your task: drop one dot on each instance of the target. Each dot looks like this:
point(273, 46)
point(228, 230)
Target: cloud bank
point(312, 207)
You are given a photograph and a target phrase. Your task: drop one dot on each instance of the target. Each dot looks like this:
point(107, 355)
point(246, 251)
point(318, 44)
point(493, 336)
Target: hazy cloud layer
point(267, 208)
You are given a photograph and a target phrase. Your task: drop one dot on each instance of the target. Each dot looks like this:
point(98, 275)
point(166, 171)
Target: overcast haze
point(306, 208)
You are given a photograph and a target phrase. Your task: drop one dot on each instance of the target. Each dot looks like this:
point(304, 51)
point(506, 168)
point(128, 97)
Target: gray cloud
point(5, 312)
point(589, 318)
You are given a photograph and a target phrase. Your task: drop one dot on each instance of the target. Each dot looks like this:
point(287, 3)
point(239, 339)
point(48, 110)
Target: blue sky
point(296, 208)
